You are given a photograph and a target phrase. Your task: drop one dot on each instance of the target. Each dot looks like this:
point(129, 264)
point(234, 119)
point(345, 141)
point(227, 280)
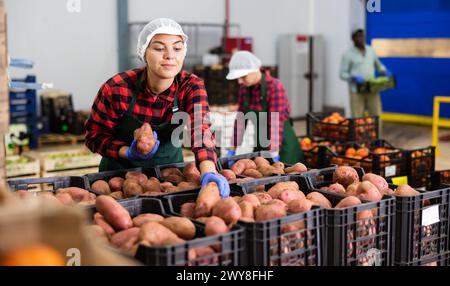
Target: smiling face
point(165, 55)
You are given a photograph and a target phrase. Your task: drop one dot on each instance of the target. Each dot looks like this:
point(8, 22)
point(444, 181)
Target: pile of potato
point(114, 225)
point(260, 167)
point(65, 196)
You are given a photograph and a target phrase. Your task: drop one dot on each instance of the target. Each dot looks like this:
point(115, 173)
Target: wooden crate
point(60, 139)
point(75, 158)
point(23, 165)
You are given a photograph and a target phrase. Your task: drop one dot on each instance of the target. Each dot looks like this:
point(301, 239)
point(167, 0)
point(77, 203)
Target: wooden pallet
point(60, 139)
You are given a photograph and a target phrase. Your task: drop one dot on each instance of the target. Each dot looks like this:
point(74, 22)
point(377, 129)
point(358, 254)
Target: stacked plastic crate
point(4, 106)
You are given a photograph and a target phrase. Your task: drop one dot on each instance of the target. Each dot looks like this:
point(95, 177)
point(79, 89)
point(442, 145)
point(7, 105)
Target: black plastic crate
point(231, 243)
point(420, 162)
point(386, 164)
point(416, 243)
point(266, 244)
point(89, 179)
point(348, 240)
point(438, 260)
point(53, 182)
point(315, 153)
point(351, 129)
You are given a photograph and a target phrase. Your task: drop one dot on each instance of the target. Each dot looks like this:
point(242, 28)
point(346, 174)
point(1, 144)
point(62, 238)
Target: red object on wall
point(241, 44)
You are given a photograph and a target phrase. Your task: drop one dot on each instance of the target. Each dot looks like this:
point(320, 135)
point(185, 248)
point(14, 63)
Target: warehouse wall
point(75, 51)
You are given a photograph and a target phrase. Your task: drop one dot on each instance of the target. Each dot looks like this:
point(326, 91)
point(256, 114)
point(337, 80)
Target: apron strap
point(135, 94)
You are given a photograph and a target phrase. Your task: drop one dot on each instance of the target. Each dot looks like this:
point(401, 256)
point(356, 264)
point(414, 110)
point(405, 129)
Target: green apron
point(167, 153)
point(290, 151)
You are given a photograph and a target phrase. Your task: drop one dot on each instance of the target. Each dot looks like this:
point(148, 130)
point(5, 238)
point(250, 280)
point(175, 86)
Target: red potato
point(208, 197)
point(263, 197)
point(168, 187)
point(279, 166)
point(141, 219)
point(367, 191)
point(296, 168)
point(114, 213)
point(348, 202)
point(155, 234)
point(101, 222)
point(336, 188)
point(318, 199)
point(124, 236)
point(65, 198)
point(192, 174)
point(145, 139)
point(181, 226)
point(115, 184)
point(252, 199)
point(187, 186)
point(289, 195)
point(252, 173)
point(117, 195)
point(278, 188)
point(215, 225)
point(269, 211)
point(151, 185)
point(299, 205)
point(345, 176)
point(278, 202)
point(174, 178)
point(141, 178)
point(260, 161)
point(228, 210)
point(228, 174)
point(238, 167)
point(351, 189)
point(77, 194)
point(405, 191)
point(247, 210)
point(131, 187)
point(377, 181)
point(101, 187)
point(188, 209)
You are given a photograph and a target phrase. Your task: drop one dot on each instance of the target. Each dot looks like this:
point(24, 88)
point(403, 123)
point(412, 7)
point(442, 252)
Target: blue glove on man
point(276, 158)
point(358, 79)
point(222, 183)
point(387, 73)
point(231, 153)
point(133, 154)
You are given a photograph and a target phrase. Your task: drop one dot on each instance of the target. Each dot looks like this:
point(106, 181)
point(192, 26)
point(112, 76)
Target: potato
point(249, 164)
point(87, 202)
point(124, 236)
point(292, 227)
point(296, 168)
point(188, 209)
point(260, 161)
point(279, 166)
point(155, 234)
point(65, 198)
point(263, 197)
point(238, 167)
point(208, 197)
point(141, 178)
point(101, 222)
point(278, 202)
point(252, 173)
point(378, 181)
point(319, 200)
point(187, 186)
point(144, 138)
point(351, 189)
point(267, 170)
point(168, 187)
point(367, 191)
point(405, 191)
point(77, 194)
point(141, 219)
point(278, 188)
point(117, 195)
point(299, 205)
point(151, 185)
point(208, 255)
point(114, 213)
point(228, 174)
point(131, 187)
point(98, 232)
point(348, 202)
point(215, 225)
point(289, 195)
point(101, 187)
point(251, 198)
point(192, 174)
point(228, 210)
point(247, 209)
point(115, 184)
point(173, 175)
point(268, 212)
point(345, 176)
point(336, 188)
point(181, 226)
point(174, 178)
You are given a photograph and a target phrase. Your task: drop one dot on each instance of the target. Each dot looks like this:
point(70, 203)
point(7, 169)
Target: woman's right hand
point(132, 152)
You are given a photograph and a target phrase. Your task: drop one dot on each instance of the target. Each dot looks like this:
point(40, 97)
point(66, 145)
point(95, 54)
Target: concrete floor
point(405, 136)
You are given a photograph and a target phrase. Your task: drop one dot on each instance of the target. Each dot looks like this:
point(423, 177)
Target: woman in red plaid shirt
point(153, 94)
point(261, 93)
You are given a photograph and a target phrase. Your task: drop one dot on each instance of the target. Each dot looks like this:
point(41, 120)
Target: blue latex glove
point(222, 183)
point(133, 154)
point(229, 154)
point(276, 158)
point(358, 79)
point(387, 73)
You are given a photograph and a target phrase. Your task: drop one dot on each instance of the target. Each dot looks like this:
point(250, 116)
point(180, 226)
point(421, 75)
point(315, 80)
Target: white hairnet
point(158, 26)
point(242, 63)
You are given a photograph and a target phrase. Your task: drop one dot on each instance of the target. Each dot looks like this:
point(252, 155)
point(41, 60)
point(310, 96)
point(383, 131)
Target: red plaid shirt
point(277, 101)
point(113, 99)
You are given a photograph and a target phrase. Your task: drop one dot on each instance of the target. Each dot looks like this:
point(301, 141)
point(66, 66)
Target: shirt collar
point(168, 94)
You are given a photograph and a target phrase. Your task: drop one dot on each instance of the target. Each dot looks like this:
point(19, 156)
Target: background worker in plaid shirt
point(261, 93)
point(153, 94)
